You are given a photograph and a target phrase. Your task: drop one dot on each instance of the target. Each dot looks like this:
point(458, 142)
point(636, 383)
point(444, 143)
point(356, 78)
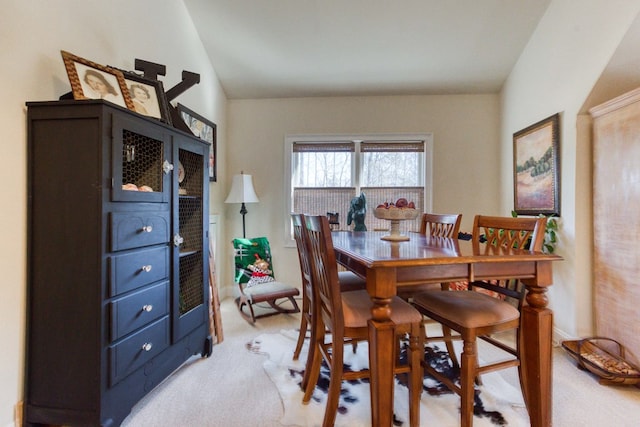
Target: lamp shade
point(242, 190)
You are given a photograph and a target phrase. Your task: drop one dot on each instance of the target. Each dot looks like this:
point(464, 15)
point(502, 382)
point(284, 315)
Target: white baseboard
point(225, 292)
point(559, 336)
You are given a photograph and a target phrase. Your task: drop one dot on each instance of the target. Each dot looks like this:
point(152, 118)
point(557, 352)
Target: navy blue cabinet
point(117, 249)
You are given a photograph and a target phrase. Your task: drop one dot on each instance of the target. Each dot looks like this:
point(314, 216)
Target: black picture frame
point(157, 106)
point(536, 168)
point(203, 129)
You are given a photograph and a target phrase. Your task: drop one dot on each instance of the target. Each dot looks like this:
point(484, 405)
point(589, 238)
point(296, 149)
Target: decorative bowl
point(395, 215)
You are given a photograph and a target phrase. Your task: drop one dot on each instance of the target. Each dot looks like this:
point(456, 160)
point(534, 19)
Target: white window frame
point(396, 137)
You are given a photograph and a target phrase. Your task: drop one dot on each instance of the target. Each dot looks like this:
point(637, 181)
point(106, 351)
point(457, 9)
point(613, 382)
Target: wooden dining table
point(424, 259)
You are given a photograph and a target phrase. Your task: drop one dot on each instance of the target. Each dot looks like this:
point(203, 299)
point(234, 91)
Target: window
point(327, 172)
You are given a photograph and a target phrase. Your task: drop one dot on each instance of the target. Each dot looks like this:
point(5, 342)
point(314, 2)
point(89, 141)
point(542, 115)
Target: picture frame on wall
point(203, 129)
point(148, 96)
point(90, 80)
point(536, 166)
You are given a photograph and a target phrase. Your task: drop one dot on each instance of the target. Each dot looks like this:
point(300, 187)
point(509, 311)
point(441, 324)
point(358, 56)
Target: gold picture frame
point(90, 80)
point(536, 168)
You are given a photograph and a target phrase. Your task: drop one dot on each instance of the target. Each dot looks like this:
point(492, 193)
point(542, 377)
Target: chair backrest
point(440, 225)
point(507, 232)
point(510, 232)
point(334, 218)
point(303, 254)
point(324, 274)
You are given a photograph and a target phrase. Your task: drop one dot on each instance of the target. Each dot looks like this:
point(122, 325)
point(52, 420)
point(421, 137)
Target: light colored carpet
point(231, 388)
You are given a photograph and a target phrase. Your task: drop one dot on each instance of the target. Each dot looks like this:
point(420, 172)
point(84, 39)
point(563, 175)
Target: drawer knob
point(178, 240)
point(147, 346)
point(146, 268)
point(147, 307)
point(147, 229)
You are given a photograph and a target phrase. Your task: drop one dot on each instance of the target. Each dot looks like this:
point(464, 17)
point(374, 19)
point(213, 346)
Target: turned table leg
point(536, 346)
point(381, 348)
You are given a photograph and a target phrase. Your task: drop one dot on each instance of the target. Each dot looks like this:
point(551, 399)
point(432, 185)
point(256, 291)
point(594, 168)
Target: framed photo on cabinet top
point(203, 129)
point(148, 96)
point(536, 166)
point(90, 80)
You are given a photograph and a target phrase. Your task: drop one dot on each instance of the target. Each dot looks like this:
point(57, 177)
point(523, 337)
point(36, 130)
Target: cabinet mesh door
point(191, 220)
point(142, 159)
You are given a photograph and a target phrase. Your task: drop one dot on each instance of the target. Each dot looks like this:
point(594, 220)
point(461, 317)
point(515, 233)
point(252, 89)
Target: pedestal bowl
point(394, 216)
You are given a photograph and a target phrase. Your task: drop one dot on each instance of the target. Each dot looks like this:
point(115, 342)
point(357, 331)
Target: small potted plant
point(550, 233)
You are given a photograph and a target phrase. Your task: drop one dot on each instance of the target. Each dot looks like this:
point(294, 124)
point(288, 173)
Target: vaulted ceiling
point(300, 48)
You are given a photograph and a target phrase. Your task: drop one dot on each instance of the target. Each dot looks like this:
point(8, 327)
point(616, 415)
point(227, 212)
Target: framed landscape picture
point(536, 162)
point(203, 129)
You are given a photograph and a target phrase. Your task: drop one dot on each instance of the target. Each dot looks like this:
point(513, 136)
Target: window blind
point(392, 147)
point(323, 147)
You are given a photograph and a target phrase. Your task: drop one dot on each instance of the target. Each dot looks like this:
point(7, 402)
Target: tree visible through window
point(325, 176)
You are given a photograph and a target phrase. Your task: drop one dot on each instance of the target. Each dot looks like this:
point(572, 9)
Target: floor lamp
point(242, 192)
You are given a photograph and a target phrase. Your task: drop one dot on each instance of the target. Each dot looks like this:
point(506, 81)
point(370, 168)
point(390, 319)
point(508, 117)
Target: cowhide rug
point(496, 403)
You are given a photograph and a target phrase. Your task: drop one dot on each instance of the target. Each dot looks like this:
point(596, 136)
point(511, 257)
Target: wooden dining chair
point(341, 318)
point(475, 314)
point(348, 280)
point(440, 225)
point(436, 225)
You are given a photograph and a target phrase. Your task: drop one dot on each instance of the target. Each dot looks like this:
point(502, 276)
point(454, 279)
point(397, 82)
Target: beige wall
point(32, 33)
point(555, 73)
point(466, 146)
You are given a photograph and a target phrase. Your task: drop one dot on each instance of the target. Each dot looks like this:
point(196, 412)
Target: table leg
point(381, 349)
point(381, 339)
point(537, 324)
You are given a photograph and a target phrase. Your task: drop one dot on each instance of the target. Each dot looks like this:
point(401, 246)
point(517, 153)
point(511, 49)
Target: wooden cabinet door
point(140, 161)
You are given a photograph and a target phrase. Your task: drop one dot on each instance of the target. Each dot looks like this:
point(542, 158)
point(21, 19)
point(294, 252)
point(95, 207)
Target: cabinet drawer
point(138, 309)
point(133, 230)
point(135, 269)
point(137, 349)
